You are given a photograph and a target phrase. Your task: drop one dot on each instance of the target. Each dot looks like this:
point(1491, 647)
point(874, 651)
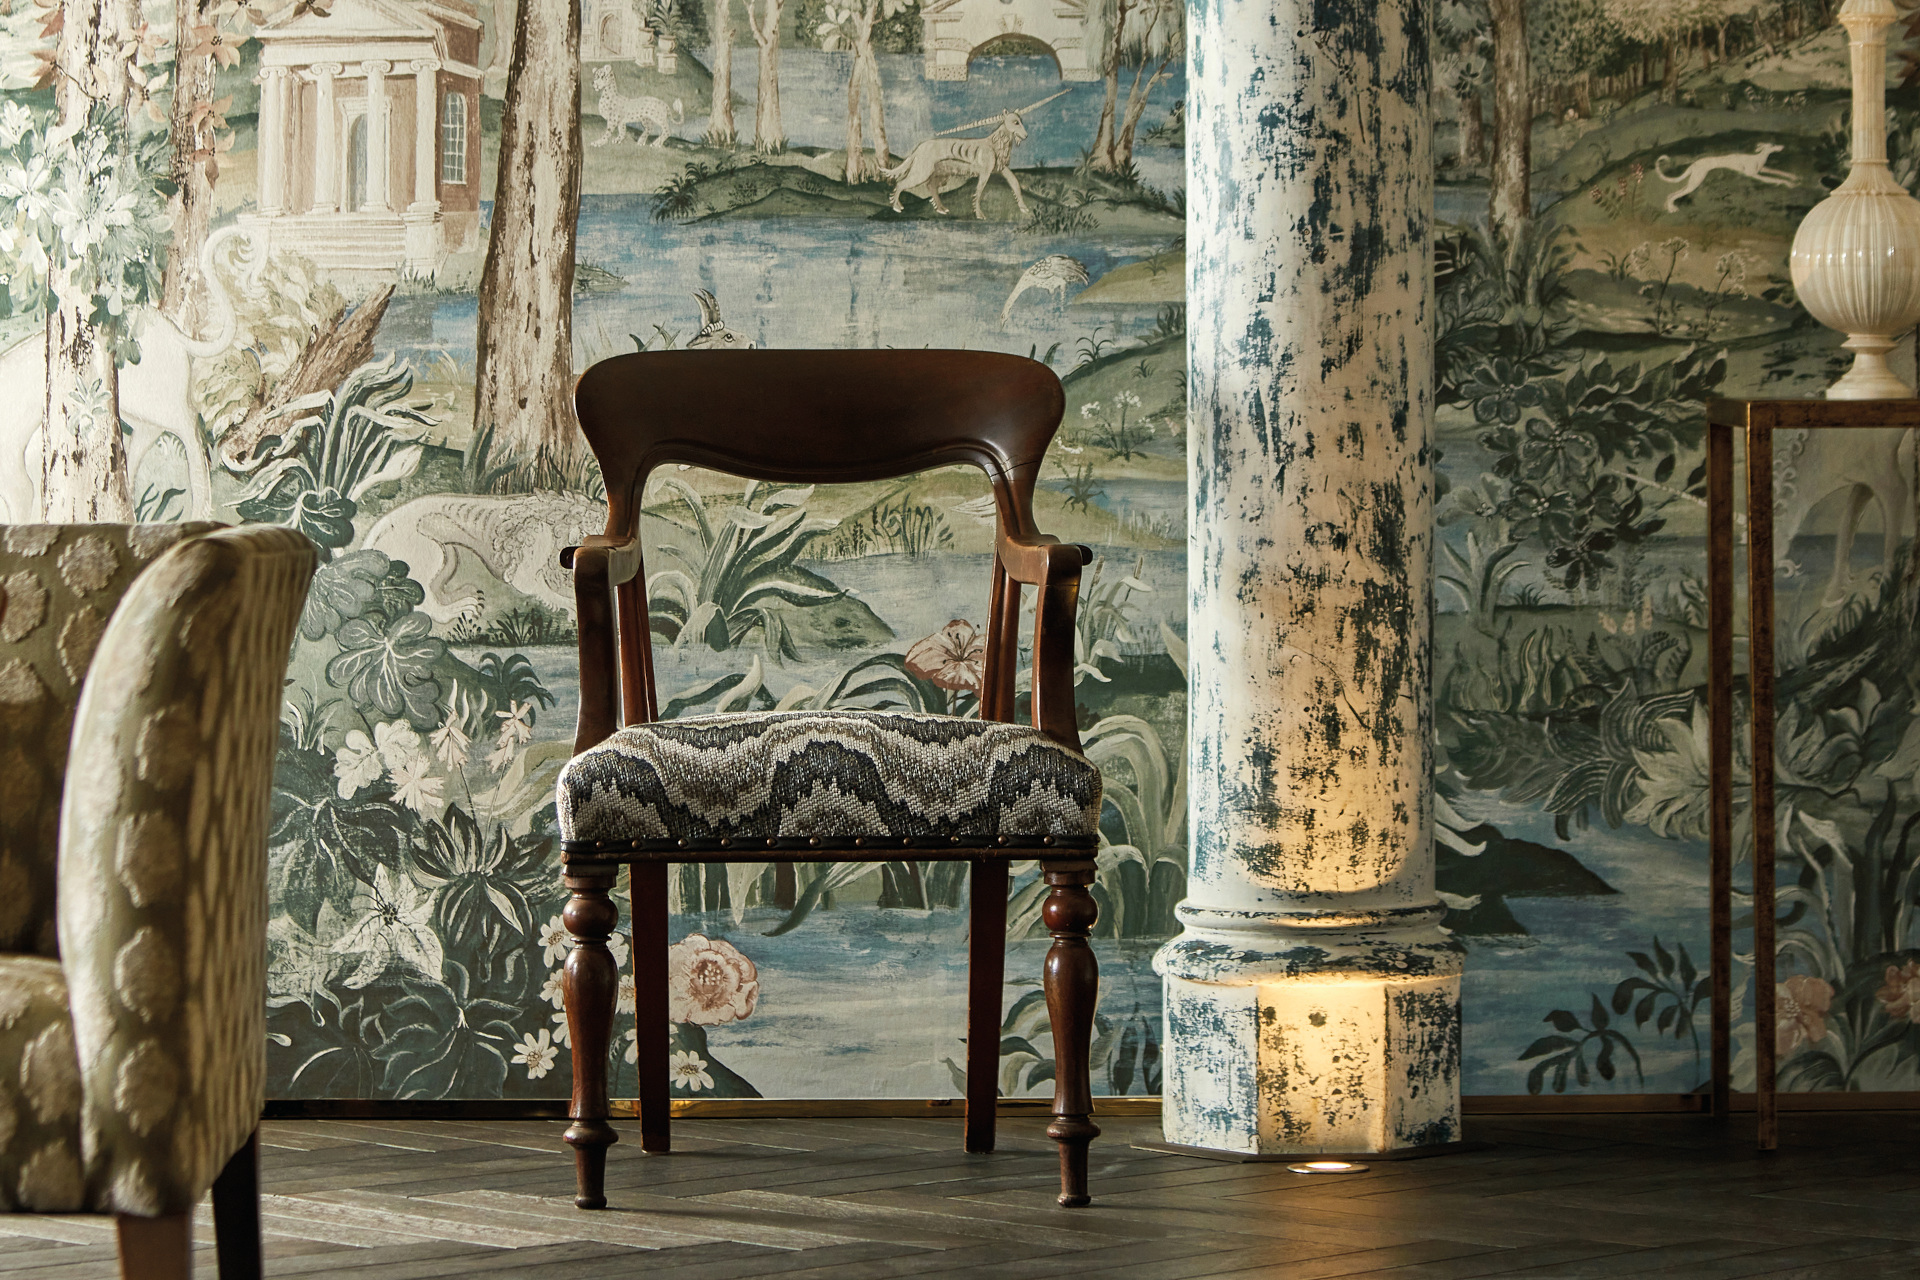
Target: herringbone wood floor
point(1599, 1196)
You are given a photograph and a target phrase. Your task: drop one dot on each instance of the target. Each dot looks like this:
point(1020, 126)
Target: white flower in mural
point(688, 1070)
point(557, 941)
point(554, 990)
point(618, 945)
point(1090, 408)
point(450, 742)
point(560, 1033)
point(393, 923)
point(516, 722)
point(537, 1053)
point(356, 764)
point(415, 786)
point(629, 994)
point(15, 121)
point(709, 982)
point(633, 1046)
point(502, 755)
point(1128, 399)
point(397, 743)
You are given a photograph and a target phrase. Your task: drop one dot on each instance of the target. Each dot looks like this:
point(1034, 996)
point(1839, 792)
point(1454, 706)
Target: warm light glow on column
point(1312, 999)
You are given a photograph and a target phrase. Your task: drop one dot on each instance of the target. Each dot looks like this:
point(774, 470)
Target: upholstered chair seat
point(794, 776)
point(141, 672)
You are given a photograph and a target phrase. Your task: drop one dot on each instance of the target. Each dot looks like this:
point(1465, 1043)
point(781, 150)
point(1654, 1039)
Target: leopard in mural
point(618, 110)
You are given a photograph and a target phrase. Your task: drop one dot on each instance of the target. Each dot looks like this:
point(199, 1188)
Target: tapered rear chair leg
point(649, 881)
point(592, 987)
point(986, 978)
point(236, 1214)
point(155, 1248)
point(1073, 989)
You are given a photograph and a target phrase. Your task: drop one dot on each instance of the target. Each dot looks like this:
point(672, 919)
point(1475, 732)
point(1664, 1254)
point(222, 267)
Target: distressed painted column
point(1312, 1000)
point(378, 139)
point(272, 144)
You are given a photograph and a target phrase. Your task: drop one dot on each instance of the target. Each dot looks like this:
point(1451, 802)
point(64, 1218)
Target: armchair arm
point(1054, 568)
point(623, 555)
point(163, 863)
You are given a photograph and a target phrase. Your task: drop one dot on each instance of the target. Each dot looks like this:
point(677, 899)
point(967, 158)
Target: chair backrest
point(58, 586)
point(826, 417)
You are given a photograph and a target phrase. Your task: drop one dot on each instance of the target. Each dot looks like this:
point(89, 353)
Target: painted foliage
point(334, 264)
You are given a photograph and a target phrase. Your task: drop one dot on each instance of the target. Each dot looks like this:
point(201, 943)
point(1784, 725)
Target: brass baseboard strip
point(1030, 1108)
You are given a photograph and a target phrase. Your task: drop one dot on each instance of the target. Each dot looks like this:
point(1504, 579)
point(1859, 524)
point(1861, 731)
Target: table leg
point(1760, 659)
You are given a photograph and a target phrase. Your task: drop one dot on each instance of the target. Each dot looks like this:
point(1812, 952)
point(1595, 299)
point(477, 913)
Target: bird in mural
point(1053, 273)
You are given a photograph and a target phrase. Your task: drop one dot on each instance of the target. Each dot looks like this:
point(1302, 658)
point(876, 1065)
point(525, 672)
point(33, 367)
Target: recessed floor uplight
point(1327, 1166)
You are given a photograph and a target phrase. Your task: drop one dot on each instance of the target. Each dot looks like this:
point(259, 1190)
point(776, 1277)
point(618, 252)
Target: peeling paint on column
point(1313, 1001)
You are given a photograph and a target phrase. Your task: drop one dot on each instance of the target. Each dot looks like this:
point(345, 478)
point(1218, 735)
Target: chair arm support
point(1054, 568)
point(163, 863)
point(594, 567)
point(623, 556)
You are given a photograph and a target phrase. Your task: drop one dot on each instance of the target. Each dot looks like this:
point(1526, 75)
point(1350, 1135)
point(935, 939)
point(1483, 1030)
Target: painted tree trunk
point(720, 130)
point(83, 466)
point(524, 346)
point(867, 67)
point(1473, 138)
point(856, 164)
point(768, 133)
point(1101, 157)
point(190, 208)
point(1137, 96)
point(1510, 203)
point(1312, 1000)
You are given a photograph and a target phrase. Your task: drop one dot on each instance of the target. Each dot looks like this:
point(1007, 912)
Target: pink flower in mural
point(1802, 1005)
point(709, 982)
point(1901, 992)
point(954, 657)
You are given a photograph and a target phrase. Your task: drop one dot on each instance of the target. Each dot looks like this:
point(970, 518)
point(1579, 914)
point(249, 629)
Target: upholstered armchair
point(141, 670)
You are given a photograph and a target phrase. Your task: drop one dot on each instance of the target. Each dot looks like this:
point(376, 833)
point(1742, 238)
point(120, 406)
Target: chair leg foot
point(591, 985)
point(236, 1214)
point(155, 1248)
point(1073, 989)
point(590, 1140)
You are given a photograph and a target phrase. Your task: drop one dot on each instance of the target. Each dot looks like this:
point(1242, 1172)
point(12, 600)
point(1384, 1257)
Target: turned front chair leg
point(1073, 988)
point(592, 988)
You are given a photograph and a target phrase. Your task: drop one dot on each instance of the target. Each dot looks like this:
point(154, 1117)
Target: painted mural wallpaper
point(334, 264)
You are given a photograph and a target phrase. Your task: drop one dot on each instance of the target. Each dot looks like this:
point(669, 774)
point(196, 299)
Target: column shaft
point(326, 143)
point(426, 153)
point(272, 142)
point(379, 136)
point(1312, 999)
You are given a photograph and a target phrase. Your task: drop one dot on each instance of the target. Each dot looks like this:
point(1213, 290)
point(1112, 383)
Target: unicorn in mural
point(155, 394)
point(935, 160)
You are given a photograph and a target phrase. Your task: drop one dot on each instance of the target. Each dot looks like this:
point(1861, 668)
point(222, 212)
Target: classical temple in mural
point(957, 31)
point(614, 31)
point(369, 136)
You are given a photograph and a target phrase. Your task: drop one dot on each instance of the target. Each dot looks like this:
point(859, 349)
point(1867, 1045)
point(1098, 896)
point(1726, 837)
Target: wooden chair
point(632, 795)
point(141, 675)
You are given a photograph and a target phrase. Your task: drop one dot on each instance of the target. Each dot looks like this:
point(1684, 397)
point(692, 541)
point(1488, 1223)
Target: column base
point(422, 240)
point(1342, 1042)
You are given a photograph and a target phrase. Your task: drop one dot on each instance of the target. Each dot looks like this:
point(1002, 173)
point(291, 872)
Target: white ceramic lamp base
point(1870, 378)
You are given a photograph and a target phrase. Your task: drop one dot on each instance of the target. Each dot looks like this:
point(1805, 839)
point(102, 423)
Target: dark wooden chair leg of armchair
point(236, 1214)
point(1073, 989)
point(649, 881)
point(986, 979)
point(592, 989)
point(155, 1248)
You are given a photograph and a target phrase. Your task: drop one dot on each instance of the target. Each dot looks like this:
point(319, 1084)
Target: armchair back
point(829, 417)
point(58, 586)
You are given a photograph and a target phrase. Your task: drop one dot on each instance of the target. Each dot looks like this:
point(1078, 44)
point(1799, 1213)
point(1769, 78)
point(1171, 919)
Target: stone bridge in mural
point(957, 31)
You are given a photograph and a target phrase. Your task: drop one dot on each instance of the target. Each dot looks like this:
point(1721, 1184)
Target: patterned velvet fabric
point(157, 998)
point(58, 586)
point(827, 773)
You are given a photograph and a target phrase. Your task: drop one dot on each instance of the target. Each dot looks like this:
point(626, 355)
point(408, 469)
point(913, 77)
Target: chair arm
point(163, 863)
point(623, 556)
point(1054, 568)
point(1037, 558)
point(595, 564)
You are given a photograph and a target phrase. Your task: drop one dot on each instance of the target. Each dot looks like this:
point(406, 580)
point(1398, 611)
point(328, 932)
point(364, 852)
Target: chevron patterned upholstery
point(839, 774)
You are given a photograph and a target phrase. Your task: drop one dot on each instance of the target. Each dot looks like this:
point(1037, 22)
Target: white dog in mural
point(155, 398)
point(1754, 165)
